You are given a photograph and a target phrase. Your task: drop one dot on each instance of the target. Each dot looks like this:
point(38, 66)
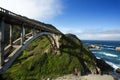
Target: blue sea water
point(106, 52)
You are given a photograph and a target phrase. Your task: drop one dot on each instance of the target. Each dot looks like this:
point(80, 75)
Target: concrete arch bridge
point(17, 32)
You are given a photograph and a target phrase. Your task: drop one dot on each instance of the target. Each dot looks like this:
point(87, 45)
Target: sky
point(88, 19)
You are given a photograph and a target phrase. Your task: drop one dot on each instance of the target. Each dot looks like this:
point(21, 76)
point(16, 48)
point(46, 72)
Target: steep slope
point(40, 61)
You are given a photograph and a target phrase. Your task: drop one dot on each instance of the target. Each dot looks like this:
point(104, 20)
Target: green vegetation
point(40, 61)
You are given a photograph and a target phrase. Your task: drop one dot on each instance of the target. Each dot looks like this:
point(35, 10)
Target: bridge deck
point(12, 18)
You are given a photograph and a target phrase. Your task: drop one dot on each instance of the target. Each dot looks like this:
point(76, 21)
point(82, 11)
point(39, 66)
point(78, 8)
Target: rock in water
point(118, 70)
point(117, 48)
point(94, 46)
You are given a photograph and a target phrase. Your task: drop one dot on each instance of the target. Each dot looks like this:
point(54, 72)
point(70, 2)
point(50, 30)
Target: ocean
point(106, 52)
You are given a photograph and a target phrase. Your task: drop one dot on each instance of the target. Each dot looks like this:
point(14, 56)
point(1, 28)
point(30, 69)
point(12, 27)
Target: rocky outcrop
point(117, 48)
point(104, 67)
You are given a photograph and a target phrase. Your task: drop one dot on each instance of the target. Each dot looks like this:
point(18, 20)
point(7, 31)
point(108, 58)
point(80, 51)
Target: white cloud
point(71, 30)
point(97, 34)
point(37, 9)
point(102, 35)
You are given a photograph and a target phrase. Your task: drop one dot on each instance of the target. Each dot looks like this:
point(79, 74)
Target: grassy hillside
point(40, 61)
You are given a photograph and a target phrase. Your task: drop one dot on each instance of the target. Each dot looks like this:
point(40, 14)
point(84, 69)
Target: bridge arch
point(18, 51)
point(50, 36)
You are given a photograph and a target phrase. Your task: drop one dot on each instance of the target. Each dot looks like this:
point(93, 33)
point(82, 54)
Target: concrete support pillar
point(57, 38)
point(11, 40)
point(22, 35)
point(57, 41)
point(54, 41)
point(33, 32)
point(2, 42)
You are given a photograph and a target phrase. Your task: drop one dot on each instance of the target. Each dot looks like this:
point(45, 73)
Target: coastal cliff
point(41, 61)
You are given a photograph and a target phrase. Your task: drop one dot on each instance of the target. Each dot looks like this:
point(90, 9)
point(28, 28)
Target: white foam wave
point(112, 64)
point(108, 46)
point(104, 45)
point(108, 54)
point(118, 59)
point(94, 49)
point(94, 52)
point(98, 57)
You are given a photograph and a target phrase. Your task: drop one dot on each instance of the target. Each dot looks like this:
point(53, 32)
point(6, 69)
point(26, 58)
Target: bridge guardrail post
point(2, 23)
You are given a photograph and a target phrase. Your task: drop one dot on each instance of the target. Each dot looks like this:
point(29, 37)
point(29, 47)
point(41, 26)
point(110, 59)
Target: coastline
point(109, 75)
point(87, 77)
point(115, 67)
point(107, 53)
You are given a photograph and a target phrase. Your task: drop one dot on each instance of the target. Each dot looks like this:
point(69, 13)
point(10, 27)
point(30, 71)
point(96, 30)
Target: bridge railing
point(16, 15)
point(26, 20)
point(7, 12)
